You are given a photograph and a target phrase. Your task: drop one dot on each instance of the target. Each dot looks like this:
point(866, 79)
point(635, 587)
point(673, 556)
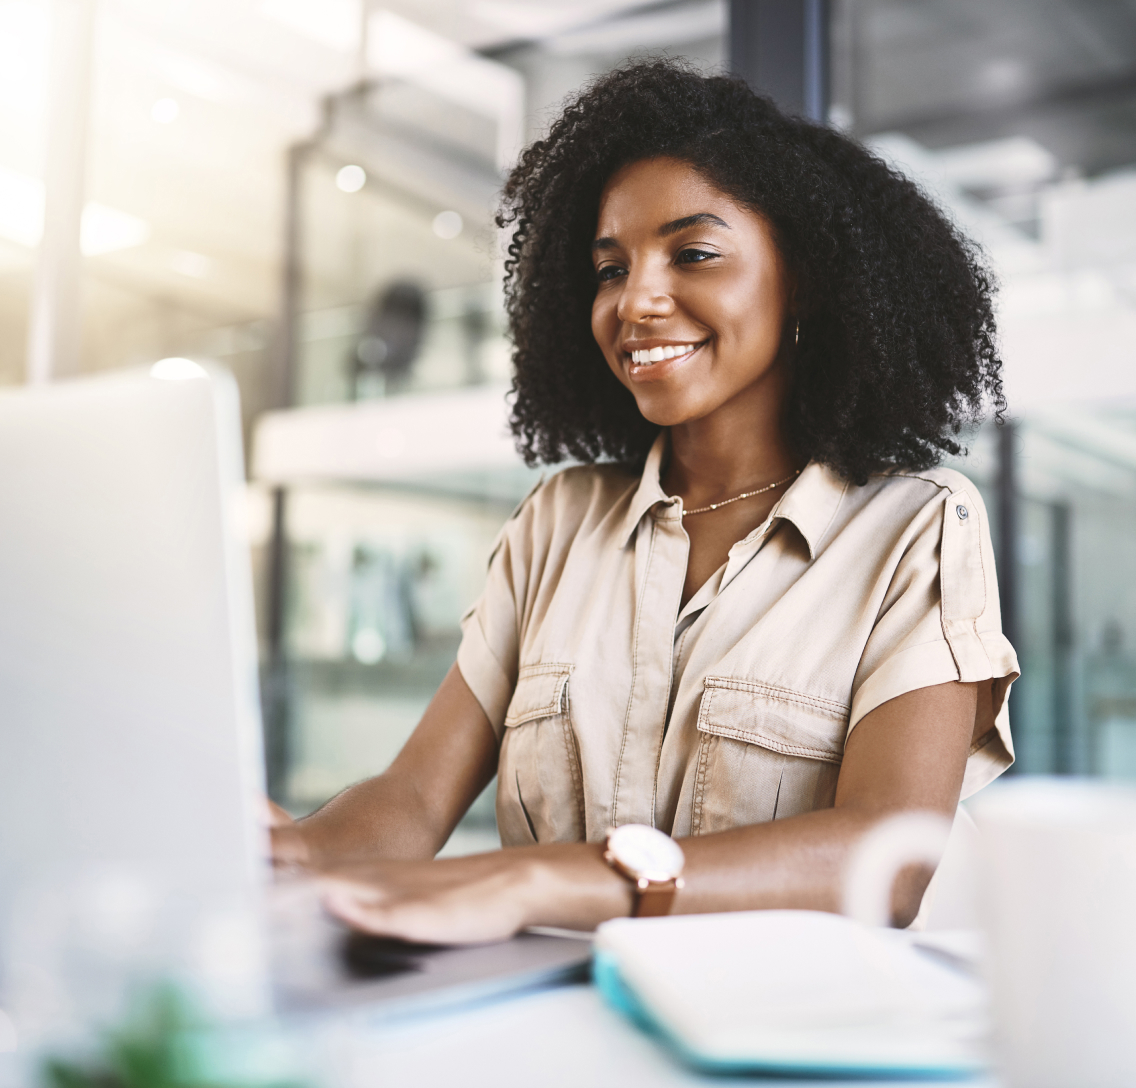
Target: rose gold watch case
point(654, 891)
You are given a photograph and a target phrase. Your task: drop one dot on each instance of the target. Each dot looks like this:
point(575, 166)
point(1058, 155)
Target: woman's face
point(684, 271)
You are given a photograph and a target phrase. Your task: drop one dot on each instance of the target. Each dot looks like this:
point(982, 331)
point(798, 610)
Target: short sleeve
point(488, 657)
point(941, 622)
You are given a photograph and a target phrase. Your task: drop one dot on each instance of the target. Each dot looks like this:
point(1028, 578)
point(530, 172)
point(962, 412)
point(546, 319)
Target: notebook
point(794, 992)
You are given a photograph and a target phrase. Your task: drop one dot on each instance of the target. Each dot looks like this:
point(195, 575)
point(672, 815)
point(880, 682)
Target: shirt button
point(962, 512)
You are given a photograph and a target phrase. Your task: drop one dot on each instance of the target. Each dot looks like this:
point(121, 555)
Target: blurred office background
point(302, 190)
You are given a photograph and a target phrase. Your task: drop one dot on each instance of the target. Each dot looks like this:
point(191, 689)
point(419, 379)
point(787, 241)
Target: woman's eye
point(694, 256)
point(609, 272)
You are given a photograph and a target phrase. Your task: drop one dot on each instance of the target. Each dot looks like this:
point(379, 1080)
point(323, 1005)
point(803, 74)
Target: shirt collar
point(650, 489)
point(810, 503)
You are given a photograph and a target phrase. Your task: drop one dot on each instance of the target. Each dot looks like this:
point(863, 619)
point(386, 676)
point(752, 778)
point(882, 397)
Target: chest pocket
point(540, 793)
point(765, 753)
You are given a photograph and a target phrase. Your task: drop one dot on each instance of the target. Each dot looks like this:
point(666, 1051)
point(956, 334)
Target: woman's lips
point(659, 368)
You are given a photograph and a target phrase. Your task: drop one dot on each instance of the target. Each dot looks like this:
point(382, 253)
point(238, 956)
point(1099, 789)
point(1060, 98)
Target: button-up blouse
point(615, 704)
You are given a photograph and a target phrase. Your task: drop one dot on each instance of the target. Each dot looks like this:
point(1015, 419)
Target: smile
point(656, 355)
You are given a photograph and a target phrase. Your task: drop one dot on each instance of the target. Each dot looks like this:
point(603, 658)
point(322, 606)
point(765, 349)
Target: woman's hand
point(287, 846)
point(485, 897)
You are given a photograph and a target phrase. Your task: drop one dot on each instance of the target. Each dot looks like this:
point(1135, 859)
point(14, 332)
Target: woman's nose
point(645, 295)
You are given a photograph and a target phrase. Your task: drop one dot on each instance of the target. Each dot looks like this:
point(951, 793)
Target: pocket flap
point(790, 722)
point(541, 692)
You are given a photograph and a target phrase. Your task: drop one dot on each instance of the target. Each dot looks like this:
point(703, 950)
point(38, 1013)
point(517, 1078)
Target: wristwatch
point(652, 862)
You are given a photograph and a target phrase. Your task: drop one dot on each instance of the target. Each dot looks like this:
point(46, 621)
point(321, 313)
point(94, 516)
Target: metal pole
point(276, 684)
point(1006, 499)
point(53, 331)
point(276, 693)
point(1065, 748)
point(781, 48)
point(1007, 559)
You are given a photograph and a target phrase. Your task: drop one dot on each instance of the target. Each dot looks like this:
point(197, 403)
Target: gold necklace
point(738, 498)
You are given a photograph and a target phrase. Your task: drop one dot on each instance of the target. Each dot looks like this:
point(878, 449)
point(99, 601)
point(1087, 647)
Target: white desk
point(560, 1038)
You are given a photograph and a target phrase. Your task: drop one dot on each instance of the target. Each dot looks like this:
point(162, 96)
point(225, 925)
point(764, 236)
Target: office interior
point(303, 191)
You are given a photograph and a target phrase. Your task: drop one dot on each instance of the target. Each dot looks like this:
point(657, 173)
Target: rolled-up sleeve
point(941, 622)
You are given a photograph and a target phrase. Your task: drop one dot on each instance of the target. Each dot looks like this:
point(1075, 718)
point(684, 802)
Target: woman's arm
point(908, 754)
point(410, 809)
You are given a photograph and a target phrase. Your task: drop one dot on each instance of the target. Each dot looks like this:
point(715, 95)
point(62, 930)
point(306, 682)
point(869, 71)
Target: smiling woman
point(757, 619)
point(886, 293)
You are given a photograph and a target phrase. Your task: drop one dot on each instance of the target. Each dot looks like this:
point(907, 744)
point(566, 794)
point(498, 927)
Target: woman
point(756, 618)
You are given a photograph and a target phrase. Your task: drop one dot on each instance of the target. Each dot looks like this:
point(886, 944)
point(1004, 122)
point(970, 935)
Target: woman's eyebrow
point(675, 225)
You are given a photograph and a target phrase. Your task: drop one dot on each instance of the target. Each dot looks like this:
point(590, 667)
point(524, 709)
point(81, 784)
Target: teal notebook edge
point(623, 999)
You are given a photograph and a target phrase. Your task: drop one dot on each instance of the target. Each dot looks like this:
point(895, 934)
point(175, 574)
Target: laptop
point(130, 733)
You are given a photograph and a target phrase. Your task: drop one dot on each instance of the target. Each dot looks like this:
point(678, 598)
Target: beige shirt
point(614, 704)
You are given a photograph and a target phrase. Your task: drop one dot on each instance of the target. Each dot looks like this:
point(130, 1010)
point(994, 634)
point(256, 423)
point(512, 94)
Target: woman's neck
point(738, 447)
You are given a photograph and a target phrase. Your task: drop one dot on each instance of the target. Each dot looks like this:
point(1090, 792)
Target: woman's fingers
point(275, 816)
point(437, 902)
point(288, 847)
point(350, 908)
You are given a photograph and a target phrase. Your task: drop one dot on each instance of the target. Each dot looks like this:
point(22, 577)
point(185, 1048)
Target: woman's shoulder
point(581, 500)
point(921, 488)
point(914, 501)
point(580, 490)
point(938, 478)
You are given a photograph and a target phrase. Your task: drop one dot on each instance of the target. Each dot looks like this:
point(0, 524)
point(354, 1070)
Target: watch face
point(646, 852)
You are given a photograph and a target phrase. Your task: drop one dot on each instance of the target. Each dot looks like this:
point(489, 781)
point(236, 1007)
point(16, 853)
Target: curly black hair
point(897, 349)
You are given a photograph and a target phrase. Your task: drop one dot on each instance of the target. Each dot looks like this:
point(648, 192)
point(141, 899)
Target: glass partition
point(1075, 711)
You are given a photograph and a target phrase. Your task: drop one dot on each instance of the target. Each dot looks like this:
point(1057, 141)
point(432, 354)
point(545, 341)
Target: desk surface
point(560, 1038)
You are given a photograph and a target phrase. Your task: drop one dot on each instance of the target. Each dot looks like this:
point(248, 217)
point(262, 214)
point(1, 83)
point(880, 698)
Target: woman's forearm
point(797, 863)
point(909, 753)
point(794, 863)
point(384, 817)
point(409, 810)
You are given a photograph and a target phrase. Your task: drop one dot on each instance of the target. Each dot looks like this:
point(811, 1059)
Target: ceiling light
point(1004, 76)
point(177, 370)
point(165, 111)
point(351, 178)
point(448, 225)
point(196, 265)
point(105, 230)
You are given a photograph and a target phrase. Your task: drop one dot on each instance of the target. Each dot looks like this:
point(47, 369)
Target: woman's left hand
point(467, 900)
point(483, 897)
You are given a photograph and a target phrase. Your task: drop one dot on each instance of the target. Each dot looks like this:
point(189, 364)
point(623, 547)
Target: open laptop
point(130, 732)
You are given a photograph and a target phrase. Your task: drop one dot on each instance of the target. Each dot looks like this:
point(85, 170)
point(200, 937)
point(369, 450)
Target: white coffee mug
point(1059, 900)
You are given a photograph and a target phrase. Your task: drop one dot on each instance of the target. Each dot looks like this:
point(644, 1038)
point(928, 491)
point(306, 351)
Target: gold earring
point(796, 333)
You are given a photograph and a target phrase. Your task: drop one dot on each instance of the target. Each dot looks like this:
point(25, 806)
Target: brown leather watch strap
point(654, 898)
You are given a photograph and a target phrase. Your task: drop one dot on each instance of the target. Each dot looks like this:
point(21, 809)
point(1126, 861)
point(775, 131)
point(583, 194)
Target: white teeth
point(657, 355)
